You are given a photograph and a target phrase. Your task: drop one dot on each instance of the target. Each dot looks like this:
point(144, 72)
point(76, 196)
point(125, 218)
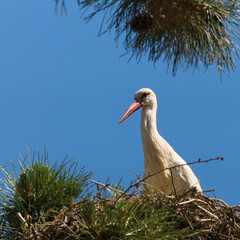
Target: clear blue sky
point(62, 86)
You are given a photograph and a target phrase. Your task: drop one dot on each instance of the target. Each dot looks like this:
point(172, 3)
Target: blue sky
point(63, 86)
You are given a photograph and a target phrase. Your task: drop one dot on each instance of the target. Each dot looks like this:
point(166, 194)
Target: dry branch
point(141, 181)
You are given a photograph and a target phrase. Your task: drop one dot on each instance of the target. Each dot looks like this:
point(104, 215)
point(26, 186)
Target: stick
point(174, 189)
point(105, 185)
point(185, 164)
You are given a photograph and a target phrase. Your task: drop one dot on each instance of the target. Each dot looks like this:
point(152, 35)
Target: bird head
point(144, 98)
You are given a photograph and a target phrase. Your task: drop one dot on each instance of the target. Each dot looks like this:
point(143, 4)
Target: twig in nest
point(208, 213)
point(174, 189)
point(210, 190)
point(139, 179)
point(100, 190)
point(21, 219)
point(190, 201)
point(103, 187)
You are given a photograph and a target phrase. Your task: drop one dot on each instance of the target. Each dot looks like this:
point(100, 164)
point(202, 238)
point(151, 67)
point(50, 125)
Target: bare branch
point(181, 165)
point(106, 186)
point(170, 168)
point(22, 219)
point(174, 189)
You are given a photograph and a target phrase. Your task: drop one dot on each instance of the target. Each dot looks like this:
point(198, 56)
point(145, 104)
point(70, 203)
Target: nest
point(205, 217)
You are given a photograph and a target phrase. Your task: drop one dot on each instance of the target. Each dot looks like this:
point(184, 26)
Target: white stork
point(158, 154)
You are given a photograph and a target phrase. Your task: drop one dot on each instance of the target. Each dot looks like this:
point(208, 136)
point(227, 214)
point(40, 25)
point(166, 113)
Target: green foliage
point(183, 33)
point(39, 190)
point(126, 219)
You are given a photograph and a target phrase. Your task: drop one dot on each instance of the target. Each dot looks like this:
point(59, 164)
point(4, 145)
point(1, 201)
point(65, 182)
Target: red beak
point(133, 107)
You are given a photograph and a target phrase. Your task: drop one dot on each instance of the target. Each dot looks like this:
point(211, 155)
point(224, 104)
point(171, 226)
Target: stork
point(158, 154)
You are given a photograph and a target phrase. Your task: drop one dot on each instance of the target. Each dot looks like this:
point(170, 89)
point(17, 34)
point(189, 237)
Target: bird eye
point(144, 95)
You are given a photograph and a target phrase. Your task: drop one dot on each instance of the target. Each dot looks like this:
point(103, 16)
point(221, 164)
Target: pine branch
point(183, 33)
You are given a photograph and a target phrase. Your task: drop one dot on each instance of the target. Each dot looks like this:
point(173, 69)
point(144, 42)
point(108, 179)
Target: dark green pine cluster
point(183, 33)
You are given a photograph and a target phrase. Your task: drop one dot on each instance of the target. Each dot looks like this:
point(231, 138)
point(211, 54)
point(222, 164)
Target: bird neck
point(148, 121)
point(155, 148)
